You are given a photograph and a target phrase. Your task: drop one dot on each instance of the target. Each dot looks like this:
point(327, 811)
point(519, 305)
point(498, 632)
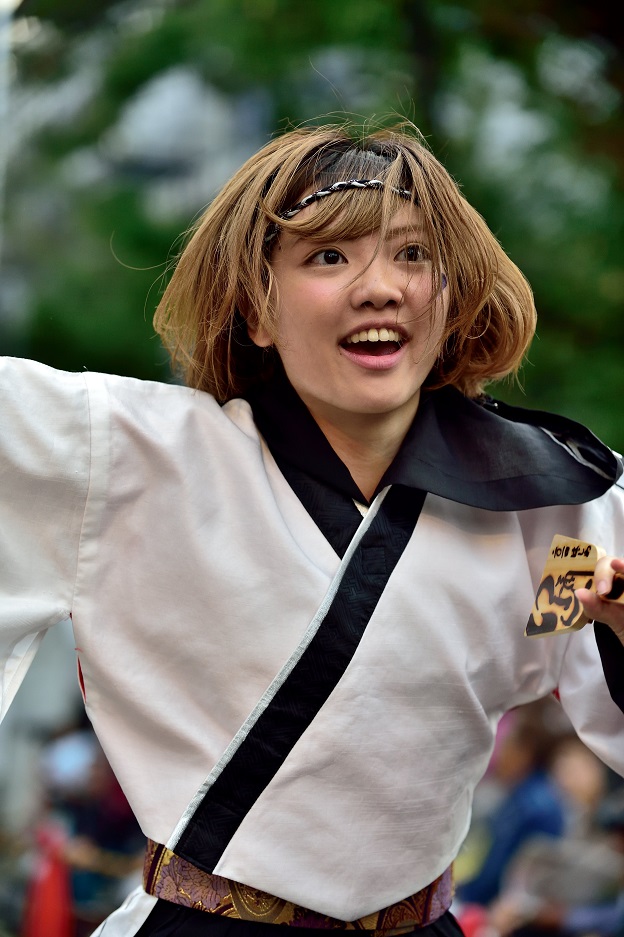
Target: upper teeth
point(374, 335)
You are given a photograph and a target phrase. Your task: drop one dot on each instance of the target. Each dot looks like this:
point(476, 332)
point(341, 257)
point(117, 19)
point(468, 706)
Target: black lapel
point(491, 455)
point(333, 512)
point(483, 453)
point(308, 686)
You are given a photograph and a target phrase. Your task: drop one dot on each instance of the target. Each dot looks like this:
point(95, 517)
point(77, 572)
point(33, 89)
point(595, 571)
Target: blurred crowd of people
point(545, 853)
point(84, 850)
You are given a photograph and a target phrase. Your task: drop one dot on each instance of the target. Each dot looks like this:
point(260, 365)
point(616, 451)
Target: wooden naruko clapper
point(570, 565)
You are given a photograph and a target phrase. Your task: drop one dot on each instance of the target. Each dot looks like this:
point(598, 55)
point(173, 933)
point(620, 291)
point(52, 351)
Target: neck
point(366, 443)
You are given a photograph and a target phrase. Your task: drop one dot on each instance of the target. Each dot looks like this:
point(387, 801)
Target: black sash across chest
point(308, 685)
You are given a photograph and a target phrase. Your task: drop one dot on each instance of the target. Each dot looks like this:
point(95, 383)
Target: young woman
point(299, 584)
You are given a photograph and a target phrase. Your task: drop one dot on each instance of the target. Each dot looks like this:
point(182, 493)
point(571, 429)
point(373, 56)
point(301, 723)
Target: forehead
point(352, 216)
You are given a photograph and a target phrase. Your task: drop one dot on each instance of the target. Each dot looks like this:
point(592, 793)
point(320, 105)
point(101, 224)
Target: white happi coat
point(160, 522)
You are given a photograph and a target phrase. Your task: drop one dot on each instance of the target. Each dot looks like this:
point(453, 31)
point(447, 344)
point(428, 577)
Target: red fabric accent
point(48, 905)
point(81, 682)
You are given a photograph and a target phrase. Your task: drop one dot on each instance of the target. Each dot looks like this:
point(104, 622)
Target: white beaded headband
point(329, 190)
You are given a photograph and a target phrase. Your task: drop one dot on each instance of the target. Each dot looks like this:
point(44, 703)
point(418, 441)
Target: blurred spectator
point(572, 891)
point(87, 832)
point(530, 803)
point(581, 776)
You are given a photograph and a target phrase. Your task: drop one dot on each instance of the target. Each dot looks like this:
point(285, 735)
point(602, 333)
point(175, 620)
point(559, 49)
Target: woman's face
point(357, 333)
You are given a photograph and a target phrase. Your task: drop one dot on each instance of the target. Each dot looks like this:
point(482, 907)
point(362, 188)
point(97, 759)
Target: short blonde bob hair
point(223, 277)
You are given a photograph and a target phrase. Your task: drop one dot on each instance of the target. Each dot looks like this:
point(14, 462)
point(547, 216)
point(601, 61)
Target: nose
point(379, 286)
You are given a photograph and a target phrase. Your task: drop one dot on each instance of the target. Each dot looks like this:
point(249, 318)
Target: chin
point(384, 407)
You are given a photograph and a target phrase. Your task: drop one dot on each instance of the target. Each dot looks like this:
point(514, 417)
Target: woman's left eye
point(413, 254)
point(327, 258)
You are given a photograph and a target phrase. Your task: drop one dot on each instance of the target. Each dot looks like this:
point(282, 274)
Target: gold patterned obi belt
point(171, 878)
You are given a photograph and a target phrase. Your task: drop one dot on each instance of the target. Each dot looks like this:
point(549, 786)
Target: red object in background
point(473, 920)
point(48, 903)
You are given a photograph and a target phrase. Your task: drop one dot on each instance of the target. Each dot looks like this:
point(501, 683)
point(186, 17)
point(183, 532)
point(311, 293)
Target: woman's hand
point(608, 577)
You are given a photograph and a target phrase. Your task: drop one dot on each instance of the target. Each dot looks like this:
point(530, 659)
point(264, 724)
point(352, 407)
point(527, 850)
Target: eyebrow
point(412, 229)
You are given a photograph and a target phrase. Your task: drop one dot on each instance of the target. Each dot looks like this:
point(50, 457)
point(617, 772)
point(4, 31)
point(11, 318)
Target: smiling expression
point(357, 331)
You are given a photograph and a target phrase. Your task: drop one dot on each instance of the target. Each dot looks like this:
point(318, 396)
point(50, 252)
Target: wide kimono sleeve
point(592, 673)
point(44, 481)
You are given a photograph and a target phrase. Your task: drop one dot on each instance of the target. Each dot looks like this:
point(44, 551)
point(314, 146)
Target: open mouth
point(374, 342)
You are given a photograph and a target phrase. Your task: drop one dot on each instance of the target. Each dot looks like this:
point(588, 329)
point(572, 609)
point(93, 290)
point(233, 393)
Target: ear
point(259, 335)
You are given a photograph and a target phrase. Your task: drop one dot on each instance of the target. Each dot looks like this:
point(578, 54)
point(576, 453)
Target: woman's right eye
point(327, 258)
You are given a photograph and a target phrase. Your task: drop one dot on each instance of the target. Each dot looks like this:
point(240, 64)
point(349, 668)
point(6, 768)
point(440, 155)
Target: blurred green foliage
point(522, 102)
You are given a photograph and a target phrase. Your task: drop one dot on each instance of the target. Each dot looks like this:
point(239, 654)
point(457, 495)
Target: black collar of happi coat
point(483, 453)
